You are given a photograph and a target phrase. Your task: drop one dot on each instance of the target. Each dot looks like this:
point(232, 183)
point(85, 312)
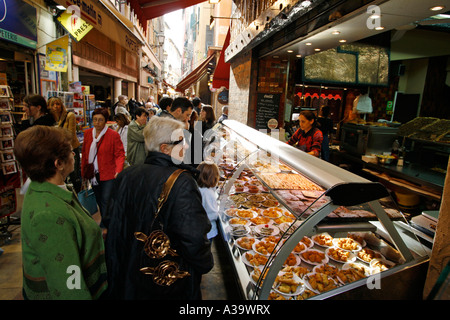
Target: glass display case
point(298, 227)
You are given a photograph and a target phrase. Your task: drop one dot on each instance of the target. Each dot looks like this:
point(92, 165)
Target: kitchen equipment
point(360, 139)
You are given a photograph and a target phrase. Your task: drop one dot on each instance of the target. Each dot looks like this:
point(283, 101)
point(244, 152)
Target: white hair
point(161, 130)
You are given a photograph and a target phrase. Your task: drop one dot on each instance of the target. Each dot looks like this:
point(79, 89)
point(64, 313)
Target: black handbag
point(157, 244)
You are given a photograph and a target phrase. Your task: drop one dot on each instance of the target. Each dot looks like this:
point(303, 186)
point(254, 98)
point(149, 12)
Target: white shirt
point(209, 202)
point(123, 132)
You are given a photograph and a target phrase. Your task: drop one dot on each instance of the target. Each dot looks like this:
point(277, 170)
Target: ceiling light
point(336, 32)
point(437, 8)
point(308, 43)
point(342, 41)
point(60, 7)
point(379, 28)
point(442, 16)
point(298, 55)
point(290, 51)
point(316, 49)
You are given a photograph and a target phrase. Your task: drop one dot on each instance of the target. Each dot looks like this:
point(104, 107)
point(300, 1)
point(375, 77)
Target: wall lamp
point(161, 38)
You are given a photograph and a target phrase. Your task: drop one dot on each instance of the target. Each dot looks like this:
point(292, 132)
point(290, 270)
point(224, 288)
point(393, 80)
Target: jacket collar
point(311, 132)
point(165, 113)
point(50, 187)
point(138, 125)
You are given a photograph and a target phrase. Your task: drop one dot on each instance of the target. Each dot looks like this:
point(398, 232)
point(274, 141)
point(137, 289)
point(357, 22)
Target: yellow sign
point(74, 24)
point(56, 55)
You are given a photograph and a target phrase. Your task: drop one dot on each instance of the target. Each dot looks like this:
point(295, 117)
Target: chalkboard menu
point(267, 107)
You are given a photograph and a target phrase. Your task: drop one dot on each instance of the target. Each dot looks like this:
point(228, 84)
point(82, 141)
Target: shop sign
point(89, 11)
point(18, 23)
point(92, 13)
point(389, 107)
point(56, 55)
point(272, 123)
point(267, 107)
point(222, 98)
point(71, 21)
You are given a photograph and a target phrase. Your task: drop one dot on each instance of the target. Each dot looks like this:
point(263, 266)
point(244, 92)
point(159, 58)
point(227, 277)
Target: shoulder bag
point(157, 244)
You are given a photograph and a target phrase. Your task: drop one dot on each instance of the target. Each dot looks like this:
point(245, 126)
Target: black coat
point(131, 209)
point(45, 120)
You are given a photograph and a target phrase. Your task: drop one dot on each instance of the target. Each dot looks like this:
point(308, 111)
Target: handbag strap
point(166, 189)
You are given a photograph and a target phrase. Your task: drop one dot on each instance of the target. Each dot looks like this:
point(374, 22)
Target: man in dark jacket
point(182, 218)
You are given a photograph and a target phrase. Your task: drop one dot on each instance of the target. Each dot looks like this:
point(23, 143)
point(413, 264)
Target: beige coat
point(68, 121)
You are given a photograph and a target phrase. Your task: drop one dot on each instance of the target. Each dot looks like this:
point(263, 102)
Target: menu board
point(267, 107)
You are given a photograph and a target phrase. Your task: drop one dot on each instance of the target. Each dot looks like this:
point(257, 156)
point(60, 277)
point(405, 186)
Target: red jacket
point(110, 155)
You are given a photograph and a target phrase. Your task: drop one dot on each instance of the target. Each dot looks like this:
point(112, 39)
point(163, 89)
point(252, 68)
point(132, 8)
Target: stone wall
point(440, 255)
point(240, 87)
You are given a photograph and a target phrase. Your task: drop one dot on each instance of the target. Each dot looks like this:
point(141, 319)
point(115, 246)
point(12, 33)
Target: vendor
point(308, 137)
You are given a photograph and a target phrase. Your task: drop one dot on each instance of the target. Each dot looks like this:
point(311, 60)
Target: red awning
point(195, 75)
point(150, 9)
point(221, 77)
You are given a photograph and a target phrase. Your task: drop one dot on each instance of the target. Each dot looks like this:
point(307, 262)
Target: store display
point(9, 166)
point(73, 102)
point(264, 204)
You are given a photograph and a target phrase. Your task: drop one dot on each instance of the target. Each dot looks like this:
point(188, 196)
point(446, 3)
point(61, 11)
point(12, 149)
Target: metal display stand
point(342, 188)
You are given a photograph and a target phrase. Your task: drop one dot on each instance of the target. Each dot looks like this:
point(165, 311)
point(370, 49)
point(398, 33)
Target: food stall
point(297, 227)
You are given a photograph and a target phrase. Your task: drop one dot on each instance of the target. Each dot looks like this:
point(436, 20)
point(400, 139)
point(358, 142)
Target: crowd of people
point(155, 233)
point(59, 235)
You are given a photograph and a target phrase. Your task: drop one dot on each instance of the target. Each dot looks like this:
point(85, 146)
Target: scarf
point(93, 151)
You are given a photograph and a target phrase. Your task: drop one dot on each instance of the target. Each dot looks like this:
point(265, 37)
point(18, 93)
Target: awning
point(221, 77)
point(167, 84)
point(150, 9)
point(195, 75)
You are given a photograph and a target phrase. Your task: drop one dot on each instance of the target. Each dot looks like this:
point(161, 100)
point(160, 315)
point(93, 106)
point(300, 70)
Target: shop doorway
point(99, 85)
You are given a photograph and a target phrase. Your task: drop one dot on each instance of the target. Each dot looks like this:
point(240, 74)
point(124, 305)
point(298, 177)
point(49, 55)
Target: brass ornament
point(157, 245)
point(166, 273)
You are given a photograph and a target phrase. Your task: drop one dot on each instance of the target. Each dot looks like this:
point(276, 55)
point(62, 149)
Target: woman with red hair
point(102, 158)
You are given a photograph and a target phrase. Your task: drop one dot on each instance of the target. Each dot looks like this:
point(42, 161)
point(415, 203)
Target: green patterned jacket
point(62, 246)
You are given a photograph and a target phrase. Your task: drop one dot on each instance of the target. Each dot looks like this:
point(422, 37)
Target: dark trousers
point(102, 194)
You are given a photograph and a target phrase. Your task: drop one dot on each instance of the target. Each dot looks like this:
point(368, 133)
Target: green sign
point(389, 106)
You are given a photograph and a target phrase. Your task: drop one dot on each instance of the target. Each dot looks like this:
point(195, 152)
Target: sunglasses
point(175, 142)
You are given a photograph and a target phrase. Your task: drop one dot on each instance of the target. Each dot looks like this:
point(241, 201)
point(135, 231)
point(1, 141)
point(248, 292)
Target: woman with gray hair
point(133, 272)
